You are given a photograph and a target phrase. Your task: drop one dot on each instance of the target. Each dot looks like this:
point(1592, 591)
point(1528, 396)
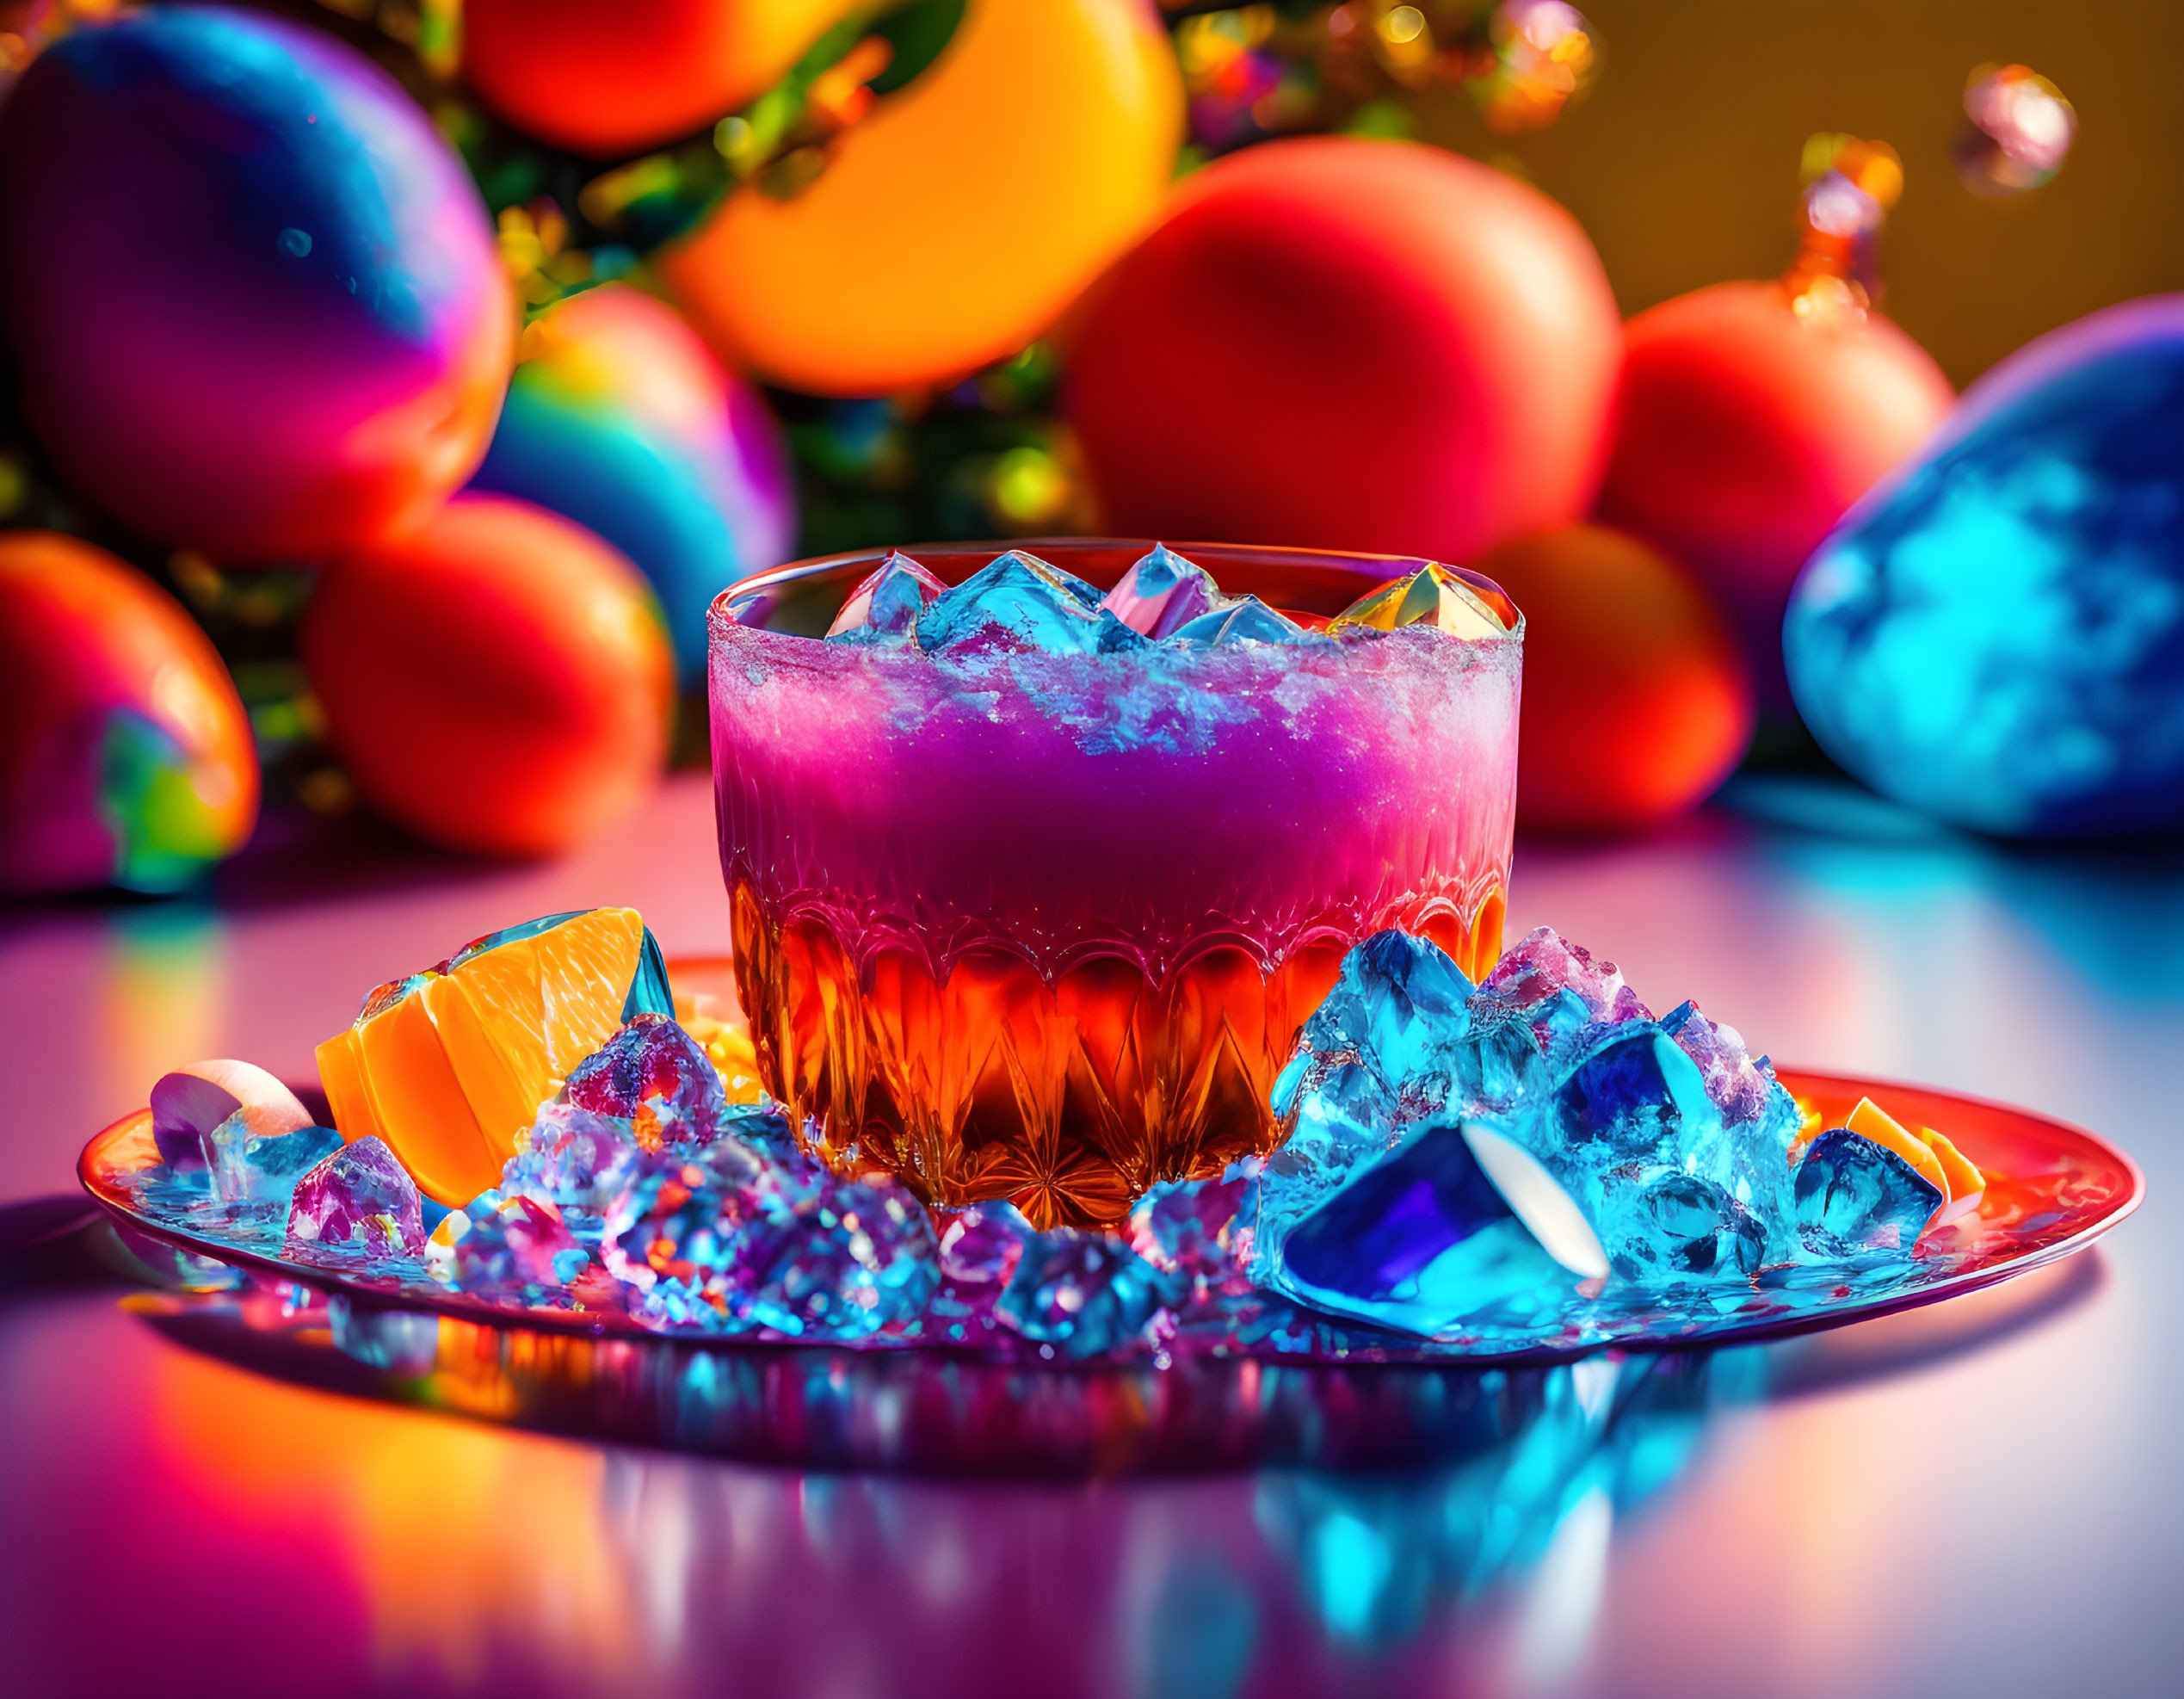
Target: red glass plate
point(2052, 1190)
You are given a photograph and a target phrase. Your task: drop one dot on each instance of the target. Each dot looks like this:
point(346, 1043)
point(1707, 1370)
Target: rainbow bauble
point(622, 419)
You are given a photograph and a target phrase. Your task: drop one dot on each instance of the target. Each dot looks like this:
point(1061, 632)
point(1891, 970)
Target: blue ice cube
point(1626, 1125)
point(886, 606)
point(1161, 593)
point(1249, 620)
point(248, 1168)
point(1399, 1004)
point(1416, 1242)
point(1693, 1226)
point(744, 1245)
point(1082, 1294)
point(1018, 604)
point(1633, 1097)
point(1200, 1229)
point(1855, 1196)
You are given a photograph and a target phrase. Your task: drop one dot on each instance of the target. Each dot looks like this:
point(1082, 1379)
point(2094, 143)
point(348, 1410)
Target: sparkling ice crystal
point(249, 1168)
point(886, 607)
point(359, 1198)
point(1853, 1197)
point(1083, 1294)
point(655, 1076)
point(1162, 593)
point(1249, 620)
point(1018, 604)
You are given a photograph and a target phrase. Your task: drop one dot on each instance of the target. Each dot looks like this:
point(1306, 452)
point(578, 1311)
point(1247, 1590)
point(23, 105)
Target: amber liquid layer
point(1068, 1097)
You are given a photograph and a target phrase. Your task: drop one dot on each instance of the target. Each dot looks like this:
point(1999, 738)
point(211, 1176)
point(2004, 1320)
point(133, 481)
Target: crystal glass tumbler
point(1045, 926)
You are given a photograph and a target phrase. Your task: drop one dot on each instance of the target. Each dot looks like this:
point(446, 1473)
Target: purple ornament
point(254, 300)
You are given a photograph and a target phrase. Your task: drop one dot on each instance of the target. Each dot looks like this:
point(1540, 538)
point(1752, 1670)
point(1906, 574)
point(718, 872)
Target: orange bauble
point(125, 757)
point(1350, 344)
point(607, 77)
point(1748, 430)
point(498, 682)
point(958, 222)
point(1636, 703)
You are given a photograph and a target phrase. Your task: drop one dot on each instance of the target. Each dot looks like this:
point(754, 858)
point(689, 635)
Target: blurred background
point(662, 293)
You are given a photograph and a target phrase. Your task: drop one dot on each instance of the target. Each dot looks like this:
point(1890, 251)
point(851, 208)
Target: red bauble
point(607, 77)
point(1636, 703)
point(1342, 343)
point(498, 682)
point(1747, 431)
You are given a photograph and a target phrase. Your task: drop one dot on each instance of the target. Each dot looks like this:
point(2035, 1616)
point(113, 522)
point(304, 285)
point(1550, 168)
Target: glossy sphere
point(1352, 345)
point(1997, 636)
point(1637, 701)
point(254, 300)
point(1747, 432)
point(498, 682)
point(959, 220)
point(606, 77)
point(125, 754)
point(620, 418)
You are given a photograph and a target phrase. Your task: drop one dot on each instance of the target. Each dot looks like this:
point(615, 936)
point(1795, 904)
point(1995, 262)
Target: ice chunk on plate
point(360, 1199)
point(1417, 1241)
point(653, 1075)
point(516, 1247)
point(1556, 987)
point(250, 1167)
point(1854, 1196)
point(1081, 1294)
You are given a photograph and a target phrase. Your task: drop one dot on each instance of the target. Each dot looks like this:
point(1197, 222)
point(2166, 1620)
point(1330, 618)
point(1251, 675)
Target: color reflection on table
point(445, 1554)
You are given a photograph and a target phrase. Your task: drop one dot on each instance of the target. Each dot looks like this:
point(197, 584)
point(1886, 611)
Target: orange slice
point(449, 1066)
point(1965, 1178)
point(1870, 1120)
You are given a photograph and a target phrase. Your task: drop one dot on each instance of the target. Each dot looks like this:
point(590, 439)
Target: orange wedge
point(449, 1066)
point(1870, 1120)
point(1965, 1178)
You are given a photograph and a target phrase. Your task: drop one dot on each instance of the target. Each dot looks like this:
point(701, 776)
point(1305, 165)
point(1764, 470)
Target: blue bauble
point(1995, 635)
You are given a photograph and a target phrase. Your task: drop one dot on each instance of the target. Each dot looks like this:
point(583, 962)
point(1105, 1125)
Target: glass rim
point(789, 598)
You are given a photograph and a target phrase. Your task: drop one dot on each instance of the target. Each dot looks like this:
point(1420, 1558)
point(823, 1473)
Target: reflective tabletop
point(1986, 1497)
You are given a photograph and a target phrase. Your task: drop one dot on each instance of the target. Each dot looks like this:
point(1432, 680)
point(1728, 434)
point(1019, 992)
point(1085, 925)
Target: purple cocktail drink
point(1031, 900)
